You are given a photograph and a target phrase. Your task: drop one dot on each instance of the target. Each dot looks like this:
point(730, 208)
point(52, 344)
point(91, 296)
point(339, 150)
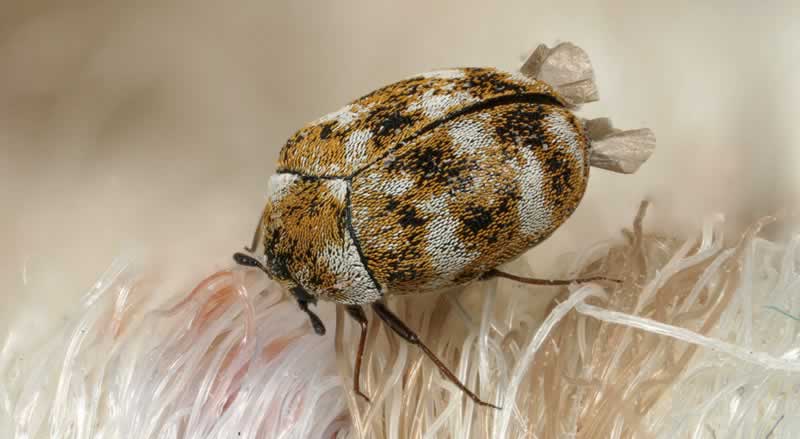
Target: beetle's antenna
point(316, 322)
point(248, 261)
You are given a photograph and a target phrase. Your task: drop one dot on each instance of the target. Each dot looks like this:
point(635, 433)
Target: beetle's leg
point(404, 331)
point(257, 233)
point(550, 282)
point(316, 322)
point(357, 313)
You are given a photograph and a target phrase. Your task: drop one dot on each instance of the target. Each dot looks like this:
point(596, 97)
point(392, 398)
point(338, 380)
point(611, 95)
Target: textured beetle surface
point(424, 184)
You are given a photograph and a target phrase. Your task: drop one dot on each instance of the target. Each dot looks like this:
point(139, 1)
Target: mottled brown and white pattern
point(342, 142)
point(426, 183)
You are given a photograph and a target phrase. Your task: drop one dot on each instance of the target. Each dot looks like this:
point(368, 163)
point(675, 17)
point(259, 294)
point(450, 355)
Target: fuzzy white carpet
point(699, 341)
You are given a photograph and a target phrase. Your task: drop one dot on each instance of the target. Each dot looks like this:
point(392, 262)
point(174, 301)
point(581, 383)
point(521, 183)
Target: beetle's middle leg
point(404, 331)
point(357, 313)
point(547, 282)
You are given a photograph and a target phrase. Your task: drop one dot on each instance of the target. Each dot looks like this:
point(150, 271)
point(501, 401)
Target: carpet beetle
point(427, 183)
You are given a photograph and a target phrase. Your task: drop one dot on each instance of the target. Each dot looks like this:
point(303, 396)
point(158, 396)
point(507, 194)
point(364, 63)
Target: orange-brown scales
point(424, 184)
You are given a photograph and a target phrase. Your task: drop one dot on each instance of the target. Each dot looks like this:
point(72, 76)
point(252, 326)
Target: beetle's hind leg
point(357, 313)
point(408, 335)
point(547, 282)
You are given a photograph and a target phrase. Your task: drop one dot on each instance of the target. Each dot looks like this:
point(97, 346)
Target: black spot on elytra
point(398, 274)
point(520, 127)
point(314, 205)
point(455, 174)
point(495, 223)
point(566, 173)
point(505, 207)
point(392, 204)
point(276, 262)
point(554, 163)
point(477, 218)
point(424, 161)
point(409, 217)
point(326, 131)
point(398, 264)
point(392, 89)
point(410, 91)
point(560, 172)
point(492, 80)
point(391, 123)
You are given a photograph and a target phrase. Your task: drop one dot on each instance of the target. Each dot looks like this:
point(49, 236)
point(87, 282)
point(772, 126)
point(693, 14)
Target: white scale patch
point(375, 182)
point(351, 275)
point(338, 188)
point(448, 254)
point(444, 74)
point(360, 212)
point(534, 214)
point(435, 106)
point(434, 205)
point(343, 116)
point(279, 186)
point(314, 165)
point(562, 129)
point(355, 147)
point(470, 137)
point(398, 186)
point(333, 168)
point(371, 182)
point(521, 77)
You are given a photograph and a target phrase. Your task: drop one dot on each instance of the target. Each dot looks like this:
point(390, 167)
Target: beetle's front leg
point(316, 322)
point(357, 313)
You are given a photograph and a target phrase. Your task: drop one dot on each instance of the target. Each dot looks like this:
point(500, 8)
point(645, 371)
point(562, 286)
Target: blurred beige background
point(157, 123)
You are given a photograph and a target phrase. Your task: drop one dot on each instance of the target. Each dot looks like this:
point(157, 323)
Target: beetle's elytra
point(427, 183)
point(423, 184)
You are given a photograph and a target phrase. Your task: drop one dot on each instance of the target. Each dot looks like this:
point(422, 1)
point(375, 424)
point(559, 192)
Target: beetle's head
point(303, 298)
point(300, 218)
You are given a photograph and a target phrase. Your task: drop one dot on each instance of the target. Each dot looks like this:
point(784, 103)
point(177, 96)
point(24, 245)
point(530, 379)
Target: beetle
point(428, 183)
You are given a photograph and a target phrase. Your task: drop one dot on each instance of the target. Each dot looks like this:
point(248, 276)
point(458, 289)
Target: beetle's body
point(424, 184)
